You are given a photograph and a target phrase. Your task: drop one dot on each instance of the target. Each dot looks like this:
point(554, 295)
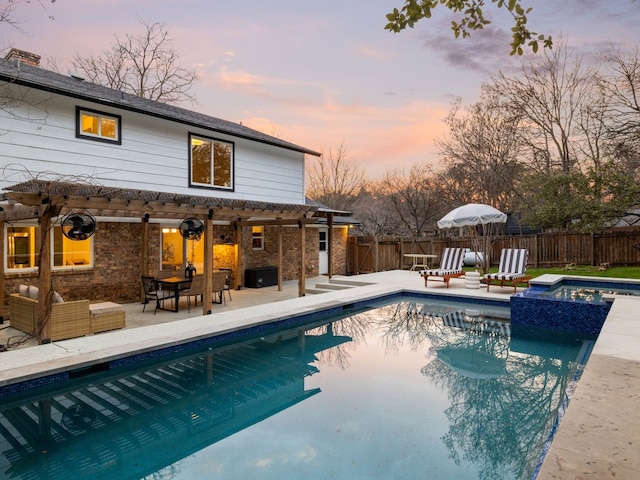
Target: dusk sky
point(320, 74)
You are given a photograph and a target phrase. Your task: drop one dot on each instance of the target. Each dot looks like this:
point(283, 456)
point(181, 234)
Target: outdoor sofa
point(68, 319)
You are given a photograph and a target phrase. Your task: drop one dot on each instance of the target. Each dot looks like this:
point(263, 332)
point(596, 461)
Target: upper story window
point(211, 163)
point(23, 249)
point(98, 126)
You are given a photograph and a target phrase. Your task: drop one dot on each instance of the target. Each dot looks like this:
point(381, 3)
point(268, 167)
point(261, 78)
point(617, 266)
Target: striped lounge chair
point(450, 266)
point(511, 270)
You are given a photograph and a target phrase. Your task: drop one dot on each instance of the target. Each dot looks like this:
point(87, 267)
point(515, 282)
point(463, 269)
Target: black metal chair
point(153, 292)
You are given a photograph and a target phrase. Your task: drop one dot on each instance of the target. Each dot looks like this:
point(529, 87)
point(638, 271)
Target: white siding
point(154, 154)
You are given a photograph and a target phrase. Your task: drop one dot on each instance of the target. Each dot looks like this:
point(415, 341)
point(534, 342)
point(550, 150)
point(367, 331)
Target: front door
point(323, 260)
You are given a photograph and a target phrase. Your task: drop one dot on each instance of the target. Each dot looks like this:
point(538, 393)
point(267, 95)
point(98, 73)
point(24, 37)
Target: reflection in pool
point(586, 293)
point(411, 389)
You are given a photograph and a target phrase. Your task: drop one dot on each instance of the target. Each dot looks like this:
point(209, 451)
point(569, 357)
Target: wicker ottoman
point(106, 316)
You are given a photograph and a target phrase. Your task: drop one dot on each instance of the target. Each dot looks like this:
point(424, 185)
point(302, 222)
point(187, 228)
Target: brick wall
point(339, 250)
point(290, 251)
point(118, 260)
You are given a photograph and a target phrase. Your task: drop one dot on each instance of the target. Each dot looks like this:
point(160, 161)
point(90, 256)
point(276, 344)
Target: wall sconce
point(227, 240)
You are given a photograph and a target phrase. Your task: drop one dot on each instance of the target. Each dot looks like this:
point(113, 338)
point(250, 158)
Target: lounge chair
point(450, 266)
point(511, 270)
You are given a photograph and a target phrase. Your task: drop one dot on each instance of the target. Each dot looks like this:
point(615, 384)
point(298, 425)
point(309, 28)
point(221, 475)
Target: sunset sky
point(320, 74)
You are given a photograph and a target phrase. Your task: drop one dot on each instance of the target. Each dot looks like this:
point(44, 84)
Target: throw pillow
point(57, 298)
point(33, 292)
point(23, 290)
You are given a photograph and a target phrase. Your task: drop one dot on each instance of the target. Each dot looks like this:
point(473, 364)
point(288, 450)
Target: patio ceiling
point(29, 199)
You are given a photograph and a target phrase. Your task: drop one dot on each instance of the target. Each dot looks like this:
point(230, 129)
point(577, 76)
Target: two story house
point(136, 171)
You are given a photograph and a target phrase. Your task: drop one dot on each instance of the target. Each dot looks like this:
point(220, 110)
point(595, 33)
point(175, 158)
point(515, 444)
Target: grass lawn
point(586, 270)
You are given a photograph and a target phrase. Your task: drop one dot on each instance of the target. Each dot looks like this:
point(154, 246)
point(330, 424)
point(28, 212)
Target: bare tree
point(622, 90)
point(9, 16)
point(145, 65)
point(374, 213)
point(415, 199)
point(547, 95)
point(333, 181)
point(481, 153)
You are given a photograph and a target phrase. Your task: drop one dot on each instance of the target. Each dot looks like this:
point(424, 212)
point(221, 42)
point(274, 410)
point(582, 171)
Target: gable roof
point(14, 71)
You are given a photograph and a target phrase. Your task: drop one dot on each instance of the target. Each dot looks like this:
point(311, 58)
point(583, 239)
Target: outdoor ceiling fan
point(78, 226)
point(191, 228)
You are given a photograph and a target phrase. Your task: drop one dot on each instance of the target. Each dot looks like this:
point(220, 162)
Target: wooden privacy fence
point(617, 247)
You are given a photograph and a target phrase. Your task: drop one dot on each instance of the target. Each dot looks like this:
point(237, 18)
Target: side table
point(472, 280)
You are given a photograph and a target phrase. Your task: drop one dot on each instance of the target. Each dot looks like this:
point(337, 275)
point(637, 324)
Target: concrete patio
point(598, 436)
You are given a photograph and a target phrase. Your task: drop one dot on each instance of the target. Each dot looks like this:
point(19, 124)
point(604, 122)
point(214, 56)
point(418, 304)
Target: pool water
point(410, 389)
point(586, 293)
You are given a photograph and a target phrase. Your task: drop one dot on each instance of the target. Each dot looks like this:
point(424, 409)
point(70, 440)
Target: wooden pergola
point(46, 199)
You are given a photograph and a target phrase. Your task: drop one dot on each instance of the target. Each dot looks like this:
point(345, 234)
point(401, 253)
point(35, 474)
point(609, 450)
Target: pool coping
point(598, 436)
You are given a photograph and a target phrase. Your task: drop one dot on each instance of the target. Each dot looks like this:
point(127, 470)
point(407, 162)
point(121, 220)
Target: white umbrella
point(472, 214)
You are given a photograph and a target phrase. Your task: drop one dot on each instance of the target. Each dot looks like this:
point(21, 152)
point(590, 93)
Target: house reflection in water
point(134, 424)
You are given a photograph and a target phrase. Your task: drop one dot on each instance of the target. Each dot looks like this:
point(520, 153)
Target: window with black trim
point(93, 125)
point(211, 162)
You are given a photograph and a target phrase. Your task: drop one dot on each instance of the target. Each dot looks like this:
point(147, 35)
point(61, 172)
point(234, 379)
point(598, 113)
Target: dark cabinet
point(260, 277)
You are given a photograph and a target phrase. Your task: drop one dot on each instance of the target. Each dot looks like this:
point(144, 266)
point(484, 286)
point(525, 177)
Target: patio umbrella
point(471, 215)
point(472, 363)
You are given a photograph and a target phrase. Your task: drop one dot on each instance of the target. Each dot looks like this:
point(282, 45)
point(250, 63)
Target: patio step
point(314, 291)
point(351, 283)
point(332, 286)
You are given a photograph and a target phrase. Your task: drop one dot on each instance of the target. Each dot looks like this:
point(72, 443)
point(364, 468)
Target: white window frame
point(257, 238)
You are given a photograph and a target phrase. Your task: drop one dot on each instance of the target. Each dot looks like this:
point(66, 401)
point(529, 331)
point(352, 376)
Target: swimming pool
point(415, 388)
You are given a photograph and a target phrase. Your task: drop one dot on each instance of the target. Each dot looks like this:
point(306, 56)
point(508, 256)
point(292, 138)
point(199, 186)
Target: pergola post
point(280, 239)
point(330, 243)
point(208, 264)
point(239, 256)
point(44, 275)
point(302, 274)
point(2, 240)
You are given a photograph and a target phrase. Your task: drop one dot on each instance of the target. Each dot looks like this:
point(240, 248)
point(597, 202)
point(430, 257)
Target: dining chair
point(196, 289)
point(152, 291)
point(219, 280)
point(227, 284)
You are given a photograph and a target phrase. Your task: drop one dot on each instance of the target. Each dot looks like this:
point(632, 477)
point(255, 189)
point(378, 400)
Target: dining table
point(174, 284)
point(419, 261)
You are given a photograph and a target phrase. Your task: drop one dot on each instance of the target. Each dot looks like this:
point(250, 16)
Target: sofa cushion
point(23, 290)
point(33, 292)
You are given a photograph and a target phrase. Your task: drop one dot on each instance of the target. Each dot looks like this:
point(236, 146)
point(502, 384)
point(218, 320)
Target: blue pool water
point(583, 293)
point(411, 389)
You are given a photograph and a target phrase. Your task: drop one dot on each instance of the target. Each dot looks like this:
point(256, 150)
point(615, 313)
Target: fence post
point(376, 247)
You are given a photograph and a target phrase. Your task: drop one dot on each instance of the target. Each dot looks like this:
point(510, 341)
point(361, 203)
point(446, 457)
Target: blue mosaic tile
point(21, 387)
point(532, 309)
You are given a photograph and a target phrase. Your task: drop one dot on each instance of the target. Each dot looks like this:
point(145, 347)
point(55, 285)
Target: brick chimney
point(24, 57)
